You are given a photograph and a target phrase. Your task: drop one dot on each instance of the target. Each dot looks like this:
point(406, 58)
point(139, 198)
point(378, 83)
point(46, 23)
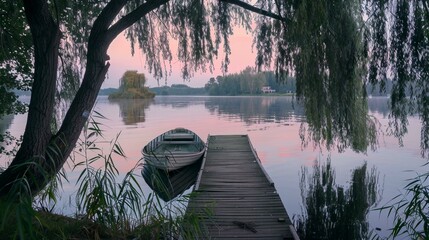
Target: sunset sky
point(121, 60)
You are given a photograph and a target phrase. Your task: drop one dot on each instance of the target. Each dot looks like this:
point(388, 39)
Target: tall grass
point(16, 208)
point(19, 219)
point(117, 203)
point(108, 204)
point(410, 209)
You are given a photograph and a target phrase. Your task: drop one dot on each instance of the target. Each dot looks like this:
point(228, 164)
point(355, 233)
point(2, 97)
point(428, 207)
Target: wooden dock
point(238, 194)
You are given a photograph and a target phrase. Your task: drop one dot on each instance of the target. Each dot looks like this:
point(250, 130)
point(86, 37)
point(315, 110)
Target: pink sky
point(242, 55)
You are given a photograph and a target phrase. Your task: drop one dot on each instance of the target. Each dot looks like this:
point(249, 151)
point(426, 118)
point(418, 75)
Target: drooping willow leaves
point(15, 57)
point(400, 45)
point(321, 43)
point(333, 48)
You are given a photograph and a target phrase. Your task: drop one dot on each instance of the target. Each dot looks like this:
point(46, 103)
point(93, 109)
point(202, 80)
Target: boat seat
point(179, 137)
point(176, 142)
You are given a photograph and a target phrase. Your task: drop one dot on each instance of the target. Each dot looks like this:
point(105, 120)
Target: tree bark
point(46, 38)
point(42, 155)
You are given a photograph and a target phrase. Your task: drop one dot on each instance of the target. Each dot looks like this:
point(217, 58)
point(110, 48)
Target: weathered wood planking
point(233, 186)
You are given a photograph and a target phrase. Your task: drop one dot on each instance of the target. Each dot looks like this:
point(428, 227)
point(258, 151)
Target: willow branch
point(255, 9)
point(133, 17)
point(426, 10)
point(107, 15)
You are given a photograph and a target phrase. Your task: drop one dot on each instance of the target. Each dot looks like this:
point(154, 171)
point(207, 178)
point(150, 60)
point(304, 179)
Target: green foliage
point(99, 198)
point(16, 208)
point(288, 86)
point(330, 73)
point(246, 82)
point(18, 216)
point(198, 27)
point(15, 57)
point(76, 19)
point(106, 208)
point(178, 89)
point(326, 44)
point(121, 209)
point(335, 48)
point(401, 49)
point(132, 86)
point(9, 145)
point(410, 209)
point(332, 211)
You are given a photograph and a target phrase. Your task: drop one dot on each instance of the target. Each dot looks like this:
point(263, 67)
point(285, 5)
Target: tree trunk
point(46, 38)
point(56, 150)
point(42, 155)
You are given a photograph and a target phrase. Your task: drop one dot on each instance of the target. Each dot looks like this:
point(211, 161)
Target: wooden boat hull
point(174, 149)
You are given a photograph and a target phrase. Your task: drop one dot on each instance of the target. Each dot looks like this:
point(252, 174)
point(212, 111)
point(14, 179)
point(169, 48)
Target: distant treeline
point(375, 90)
point(247, 82)
point(175, 89)
point(178, 89)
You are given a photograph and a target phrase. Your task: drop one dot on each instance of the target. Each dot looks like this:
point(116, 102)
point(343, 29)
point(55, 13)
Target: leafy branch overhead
point(332, 47)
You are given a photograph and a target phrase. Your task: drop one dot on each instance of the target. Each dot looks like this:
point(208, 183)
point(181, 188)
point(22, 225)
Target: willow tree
point(132, 86)
point(325, 44)
point(79, 34)
point(402, 48)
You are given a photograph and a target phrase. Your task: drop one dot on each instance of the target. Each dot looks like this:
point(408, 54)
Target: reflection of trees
point(179, 101)
point(253, 110)
point(332, 211)
point(132, 110)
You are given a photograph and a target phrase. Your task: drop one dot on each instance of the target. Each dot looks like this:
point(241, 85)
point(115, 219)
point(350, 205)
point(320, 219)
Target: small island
point(132, 87)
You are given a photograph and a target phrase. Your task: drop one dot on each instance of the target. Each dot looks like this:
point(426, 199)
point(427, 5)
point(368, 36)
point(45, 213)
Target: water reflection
point(255, 110)
point(132, 111)
point(180, 101)
point(332, 211)
point(168, 185)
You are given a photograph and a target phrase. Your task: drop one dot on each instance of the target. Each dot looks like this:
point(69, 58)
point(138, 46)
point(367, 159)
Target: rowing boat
point(174, 149)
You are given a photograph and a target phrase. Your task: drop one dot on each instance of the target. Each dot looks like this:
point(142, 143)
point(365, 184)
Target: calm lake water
point(273, 125)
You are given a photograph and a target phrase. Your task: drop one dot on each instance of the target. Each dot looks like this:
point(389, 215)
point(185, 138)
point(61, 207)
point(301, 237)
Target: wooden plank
point(233, 190)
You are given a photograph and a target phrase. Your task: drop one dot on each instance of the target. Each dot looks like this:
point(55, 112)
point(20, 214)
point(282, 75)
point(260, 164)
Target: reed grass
point(109, 205)
point(410, 209)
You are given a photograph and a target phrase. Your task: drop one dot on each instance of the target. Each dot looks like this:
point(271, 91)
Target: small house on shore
point(267, 89)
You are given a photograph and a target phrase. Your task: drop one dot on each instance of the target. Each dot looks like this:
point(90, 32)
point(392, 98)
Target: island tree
point(132, 86)
point(332, 47)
